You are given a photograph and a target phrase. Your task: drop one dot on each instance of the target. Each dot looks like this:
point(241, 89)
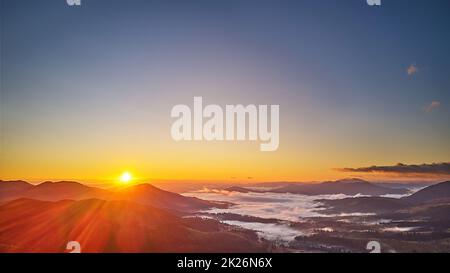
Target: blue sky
point(108, 72)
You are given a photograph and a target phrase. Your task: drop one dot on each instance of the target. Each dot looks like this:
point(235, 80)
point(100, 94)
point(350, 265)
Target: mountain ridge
point(145, 194)
point(437, 193)
point(352, 186)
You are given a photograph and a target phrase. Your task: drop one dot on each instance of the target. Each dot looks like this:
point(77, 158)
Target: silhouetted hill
point(433, 193)
point(345, 186)
point(240, 189)
point(11, 188)
point(112, 226)
point(150, 195)
point(363, 205)
point(143, 193)
point(54, 191)
point(438, 193)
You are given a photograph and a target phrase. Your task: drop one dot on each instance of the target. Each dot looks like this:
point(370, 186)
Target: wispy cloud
point(434, 168)
point(432, 106)
point(412, 69)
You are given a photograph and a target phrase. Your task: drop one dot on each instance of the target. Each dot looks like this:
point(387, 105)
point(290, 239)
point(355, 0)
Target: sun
point(126, 178)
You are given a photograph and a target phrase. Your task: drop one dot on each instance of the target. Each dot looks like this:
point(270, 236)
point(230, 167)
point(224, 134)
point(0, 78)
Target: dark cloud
point(434, 168)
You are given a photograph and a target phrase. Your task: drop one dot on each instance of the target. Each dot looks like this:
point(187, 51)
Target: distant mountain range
point(344, 186)
point(144, 194)
point(28, 225)
point(434, 194)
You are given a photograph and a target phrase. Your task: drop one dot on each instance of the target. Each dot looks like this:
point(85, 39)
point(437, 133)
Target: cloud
point(434, 168)
point(432, 106)
point(288, 207)
point(274, 232)
point(412, 69)
point(217, 191)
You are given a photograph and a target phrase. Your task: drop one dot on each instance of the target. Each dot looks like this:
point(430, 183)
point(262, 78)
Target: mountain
point(240, 189)
point(363, 205)
point(344, 186)
point(28, 225)
point(11, 188)
point(433, 193)
point(438, 193)
point(145, 194)
point(54, 191)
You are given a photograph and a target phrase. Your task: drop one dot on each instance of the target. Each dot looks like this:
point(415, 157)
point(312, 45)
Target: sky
point(86, 91)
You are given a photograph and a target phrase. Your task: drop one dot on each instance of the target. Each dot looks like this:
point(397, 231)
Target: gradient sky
point(86, 92)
